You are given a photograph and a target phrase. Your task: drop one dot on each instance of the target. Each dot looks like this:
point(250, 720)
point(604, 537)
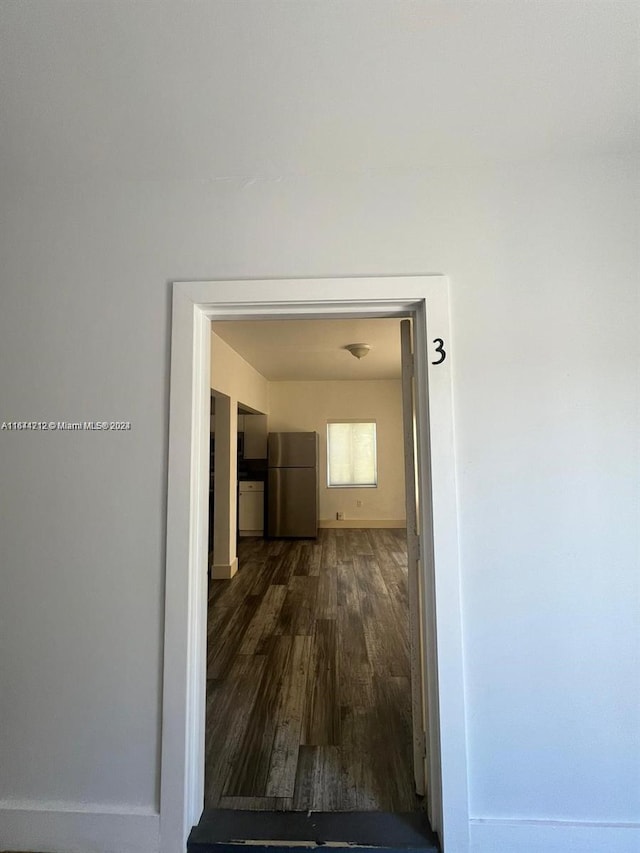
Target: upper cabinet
point(255, 436)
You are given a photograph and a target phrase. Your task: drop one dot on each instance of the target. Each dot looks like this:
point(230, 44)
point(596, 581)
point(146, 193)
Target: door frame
point(425, 299)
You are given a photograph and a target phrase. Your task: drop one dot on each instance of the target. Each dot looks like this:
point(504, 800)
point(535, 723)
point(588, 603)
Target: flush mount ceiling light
point(358, 350)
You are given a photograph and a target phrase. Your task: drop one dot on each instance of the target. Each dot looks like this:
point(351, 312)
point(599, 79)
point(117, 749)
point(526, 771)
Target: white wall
point(236, 378)
point(297, 406)
point(543, 263)
point(240, 383)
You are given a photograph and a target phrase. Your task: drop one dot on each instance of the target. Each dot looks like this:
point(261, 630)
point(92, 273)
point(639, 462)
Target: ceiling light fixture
point(358, 350)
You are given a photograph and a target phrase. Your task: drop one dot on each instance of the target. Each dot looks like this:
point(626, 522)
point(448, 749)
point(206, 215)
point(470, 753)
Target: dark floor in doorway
point(231, 829)
point(308, 677)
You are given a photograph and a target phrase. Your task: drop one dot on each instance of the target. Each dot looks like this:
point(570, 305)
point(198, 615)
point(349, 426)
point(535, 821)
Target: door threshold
point(233, 829)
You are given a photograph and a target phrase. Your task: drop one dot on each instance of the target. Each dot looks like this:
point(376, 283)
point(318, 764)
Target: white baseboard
point(224, 571)
point(547, 836)
point(391, 523)
point(77, 828)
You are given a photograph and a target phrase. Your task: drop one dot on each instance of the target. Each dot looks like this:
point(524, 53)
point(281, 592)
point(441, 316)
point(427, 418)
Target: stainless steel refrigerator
point(292, 484)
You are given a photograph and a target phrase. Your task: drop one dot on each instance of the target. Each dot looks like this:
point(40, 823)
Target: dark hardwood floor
point(308, 692)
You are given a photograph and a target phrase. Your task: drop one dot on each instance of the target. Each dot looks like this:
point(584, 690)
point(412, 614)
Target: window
point(351, 454)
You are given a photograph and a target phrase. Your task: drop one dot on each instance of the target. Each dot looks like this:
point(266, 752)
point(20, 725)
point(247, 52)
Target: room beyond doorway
point(310, 675)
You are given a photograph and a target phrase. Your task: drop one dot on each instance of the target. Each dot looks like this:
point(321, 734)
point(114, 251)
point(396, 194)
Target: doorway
point(419, 297)
point(314, 700)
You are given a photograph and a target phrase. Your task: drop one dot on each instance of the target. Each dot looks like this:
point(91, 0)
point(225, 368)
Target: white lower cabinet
point(251, 508)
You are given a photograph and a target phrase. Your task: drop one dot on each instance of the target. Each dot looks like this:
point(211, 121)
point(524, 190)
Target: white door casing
point(424, 299)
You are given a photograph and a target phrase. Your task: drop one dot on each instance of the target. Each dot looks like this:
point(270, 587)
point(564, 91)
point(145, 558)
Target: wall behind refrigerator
point(298, 406)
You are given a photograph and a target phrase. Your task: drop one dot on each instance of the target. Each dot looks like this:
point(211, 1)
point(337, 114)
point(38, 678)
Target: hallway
point(308, 690)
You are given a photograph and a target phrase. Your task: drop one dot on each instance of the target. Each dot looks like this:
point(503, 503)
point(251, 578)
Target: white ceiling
point(314, 349)
point(219, 90)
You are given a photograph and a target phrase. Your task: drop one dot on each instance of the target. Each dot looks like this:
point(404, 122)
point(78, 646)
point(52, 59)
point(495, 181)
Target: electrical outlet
point(358, 503)
point(339, 516)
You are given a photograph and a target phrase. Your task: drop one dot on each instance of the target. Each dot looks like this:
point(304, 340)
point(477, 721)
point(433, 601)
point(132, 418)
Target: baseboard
point(77, 828)
point(224, 571)
point(391, 523)
point(546, 836)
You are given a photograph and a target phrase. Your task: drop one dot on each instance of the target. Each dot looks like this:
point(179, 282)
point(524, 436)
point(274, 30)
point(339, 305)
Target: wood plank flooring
point(308, 692)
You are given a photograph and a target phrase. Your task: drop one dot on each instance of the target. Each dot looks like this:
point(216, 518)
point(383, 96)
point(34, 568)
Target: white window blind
point(351, 454)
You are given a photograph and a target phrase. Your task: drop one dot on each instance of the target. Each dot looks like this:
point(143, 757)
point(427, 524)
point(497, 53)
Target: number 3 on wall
point(440, 350)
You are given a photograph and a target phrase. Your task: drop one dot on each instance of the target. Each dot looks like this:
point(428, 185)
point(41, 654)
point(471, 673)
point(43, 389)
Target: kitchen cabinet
point(255, 436)
point(251, 508)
